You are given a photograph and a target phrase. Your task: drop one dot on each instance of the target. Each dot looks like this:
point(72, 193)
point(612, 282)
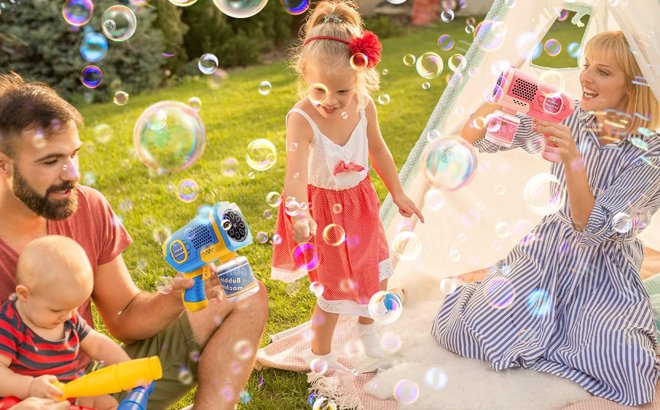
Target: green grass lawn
point(234, 115)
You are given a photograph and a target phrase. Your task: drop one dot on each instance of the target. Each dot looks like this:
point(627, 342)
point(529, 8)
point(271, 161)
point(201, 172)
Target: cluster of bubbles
point(169, 136)
point(449, 163)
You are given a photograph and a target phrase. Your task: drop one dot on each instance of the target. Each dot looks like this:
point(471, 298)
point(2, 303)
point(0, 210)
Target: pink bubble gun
point(518, 92)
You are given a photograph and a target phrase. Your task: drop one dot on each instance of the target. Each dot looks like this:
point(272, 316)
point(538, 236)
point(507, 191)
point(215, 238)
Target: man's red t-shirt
point(94, 226)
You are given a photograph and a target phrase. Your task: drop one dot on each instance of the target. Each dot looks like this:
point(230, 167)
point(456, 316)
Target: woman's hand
point(406, 206)
point(303, 230)
point(559, 135)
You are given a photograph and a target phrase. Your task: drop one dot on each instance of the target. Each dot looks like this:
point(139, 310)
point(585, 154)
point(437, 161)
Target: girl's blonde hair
point(330, 53)
point(613, 46)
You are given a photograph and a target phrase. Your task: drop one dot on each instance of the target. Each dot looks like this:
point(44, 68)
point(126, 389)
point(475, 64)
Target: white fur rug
point(470, 384)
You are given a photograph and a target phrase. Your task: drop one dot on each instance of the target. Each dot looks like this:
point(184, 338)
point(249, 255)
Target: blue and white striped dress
point(567, 302)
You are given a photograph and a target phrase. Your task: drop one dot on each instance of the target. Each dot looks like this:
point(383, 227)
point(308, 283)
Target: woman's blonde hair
point(613, 46)
point(331, 53)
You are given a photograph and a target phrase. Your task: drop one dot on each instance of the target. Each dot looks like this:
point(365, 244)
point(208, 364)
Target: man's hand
point(303, 230)
point(43, 387)
point(212, 286)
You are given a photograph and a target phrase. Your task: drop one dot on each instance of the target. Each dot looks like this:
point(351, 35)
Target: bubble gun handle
point(194, 299)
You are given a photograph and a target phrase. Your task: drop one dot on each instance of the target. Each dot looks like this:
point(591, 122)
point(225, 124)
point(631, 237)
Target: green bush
point(236, 42)
point(38, 44)
point(383, 27)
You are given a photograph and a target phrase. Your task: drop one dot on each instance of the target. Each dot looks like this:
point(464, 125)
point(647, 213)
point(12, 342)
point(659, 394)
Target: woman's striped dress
point(570, 302)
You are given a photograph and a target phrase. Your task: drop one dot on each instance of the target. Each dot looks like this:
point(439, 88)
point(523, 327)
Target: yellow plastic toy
point(114, 379)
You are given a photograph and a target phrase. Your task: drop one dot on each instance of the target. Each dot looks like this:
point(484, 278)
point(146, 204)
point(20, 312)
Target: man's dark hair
point(24, 106)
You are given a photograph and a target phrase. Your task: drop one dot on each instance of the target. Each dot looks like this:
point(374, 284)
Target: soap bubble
point(409, 59)
point(120, 98)
point(293, 146)
point(103, 133)
point(119, 23)
point(552, 47)
point(164, 283)
point(245, 397)
point(323, 403)
point(337, 208)
point(500, 293)
point(469, 29)
point(390, 342)
point(334, 235)
point(94, 47)
point(574, 50)
point(261, 154)
point(264, 88)
point(183, 3)
point(539, 302)
point(489, 35)
point(305, 256)
point(449, 163)
point(208, 63)
point(448, 4)
point(91, 76)
point(622, 222)
point(429, 65)
point(243, 350)
point(445, 42)
point(195, 103)
point(187, 190)
point(426, 85)
point(274, 199)
point(447, 15)
point(317, 94)
point(240, 8)
point(295, 7)
point(262, 237)
point(169, 136)
point(434, 199)
point(447, 286)
point(230, 167)
point(185, 376)
point(385, 71)
point(554, 80)
point(316, 288)
point(435, 378)
point(268, 214)
point(78, 12)
point(457, 62)
point(544, 194)
point(359, 61)
point(527, 46)
point(500, 189)
point(407, 246)
point(383, 99)
point(502, 230)
point(292, 288)
point(471, 21)
point(385, 307)
point(406, 392)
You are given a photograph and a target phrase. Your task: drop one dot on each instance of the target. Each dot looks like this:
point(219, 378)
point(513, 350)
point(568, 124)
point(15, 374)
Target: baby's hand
point(42, 387)
point(303, 230)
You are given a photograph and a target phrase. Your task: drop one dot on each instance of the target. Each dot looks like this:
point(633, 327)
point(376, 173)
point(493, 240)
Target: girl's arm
point(103, 349)
point(299, 132)
point(382, 161)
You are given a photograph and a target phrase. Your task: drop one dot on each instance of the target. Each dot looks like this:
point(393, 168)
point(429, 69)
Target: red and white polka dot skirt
point(348, 256)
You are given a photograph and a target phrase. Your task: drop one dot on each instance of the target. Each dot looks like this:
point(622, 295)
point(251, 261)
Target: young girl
point(580, 310)
point(332, 132)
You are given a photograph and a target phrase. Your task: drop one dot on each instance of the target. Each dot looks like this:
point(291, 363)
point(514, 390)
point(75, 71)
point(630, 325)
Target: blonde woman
point(568, 299)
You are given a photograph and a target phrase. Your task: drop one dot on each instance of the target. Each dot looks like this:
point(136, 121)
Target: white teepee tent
point(473, 212)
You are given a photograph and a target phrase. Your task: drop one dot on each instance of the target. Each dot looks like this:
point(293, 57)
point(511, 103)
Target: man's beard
point(56, 210)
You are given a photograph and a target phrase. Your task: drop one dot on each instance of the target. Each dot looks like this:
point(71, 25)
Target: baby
point(41, 332)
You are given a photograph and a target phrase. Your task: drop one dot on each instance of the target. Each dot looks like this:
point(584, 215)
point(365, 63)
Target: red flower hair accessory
point(366, 45)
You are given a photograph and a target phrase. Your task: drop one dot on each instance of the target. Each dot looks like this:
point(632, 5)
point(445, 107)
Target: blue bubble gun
point(138, 398)
point(215, 234)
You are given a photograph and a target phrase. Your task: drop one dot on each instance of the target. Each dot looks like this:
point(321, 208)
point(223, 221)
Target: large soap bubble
point(94, 47)
point(544, 194)
point(449, 163)
point(78, 12)
point(118, 23)
point(169, 136)
point(240, 8)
